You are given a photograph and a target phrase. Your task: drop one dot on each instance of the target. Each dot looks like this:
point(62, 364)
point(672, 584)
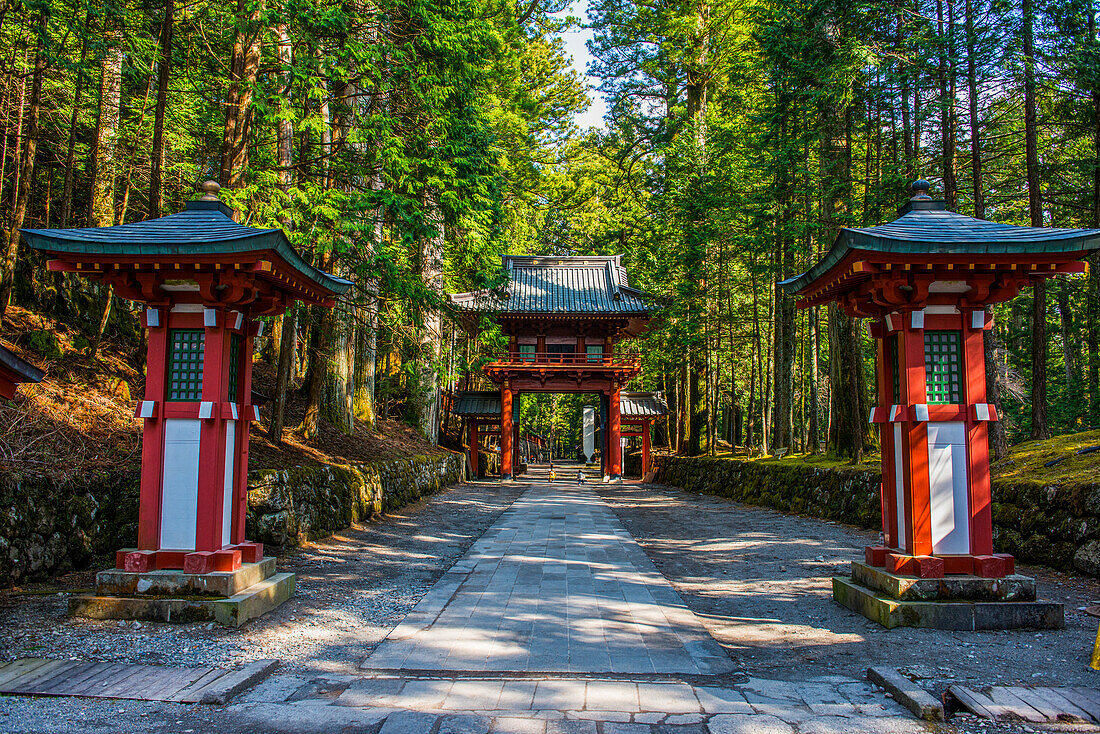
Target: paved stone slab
point(747, 724)
point(556, 585)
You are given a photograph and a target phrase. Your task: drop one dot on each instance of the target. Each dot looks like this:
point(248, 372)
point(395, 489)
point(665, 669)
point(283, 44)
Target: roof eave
point(20, 366)
point(854, 240)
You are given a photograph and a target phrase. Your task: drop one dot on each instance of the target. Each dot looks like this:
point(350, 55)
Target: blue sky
point(575, 47)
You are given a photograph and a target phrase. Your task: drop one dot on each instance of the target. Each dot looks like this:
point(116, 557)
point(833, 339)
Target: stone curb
point(232, 683)
point(922, 703)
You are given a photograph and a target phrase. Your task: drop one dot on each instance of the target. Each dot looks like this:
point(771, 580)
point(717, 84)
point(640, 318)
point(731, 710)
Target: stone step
point(955, 587)
point(948, 615)
point(232, 611)
point(116, 582)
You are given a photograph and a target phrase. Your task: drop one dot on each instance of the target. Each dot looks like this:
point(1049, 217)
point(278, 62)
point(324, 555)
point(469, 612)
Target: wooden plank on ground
point(139, 686)
point(23, 683)
point(108, 677)
point(94, 671)
point(172, 680)
point(45, 686)
point(94, 682)
point(20, 668)
point(122, 683)
point(1017, 707)
point(975, 702)
point(185, 694)
point(1083, 698)
point(1067, 712)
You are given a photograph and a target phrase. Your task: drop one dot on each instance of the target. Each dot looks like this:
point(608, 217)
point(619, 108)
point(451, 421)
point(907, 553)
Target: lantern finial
point(210, 191)
point(920, 189)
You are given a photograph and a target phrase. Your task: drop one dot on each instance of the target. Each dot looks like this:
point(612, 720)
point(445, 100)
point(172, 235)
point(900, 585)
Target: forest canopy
point(408, 144)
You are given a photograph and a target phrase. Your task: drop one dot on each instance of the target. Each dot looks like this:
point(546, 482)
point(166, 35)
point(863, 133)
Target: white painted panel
point(589, 433)
point(899, 486)
point(948, 485)
point(227, 491)
point(179, 500)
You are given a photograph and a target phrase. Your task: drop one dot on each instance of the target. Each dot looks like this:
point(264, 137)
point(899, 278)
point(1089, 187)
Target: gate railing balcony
point(566, 359)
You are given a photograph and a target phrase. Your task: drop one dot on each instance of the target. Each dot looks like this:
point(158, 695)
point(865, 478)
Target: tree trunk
point(1092, 293)
point(1039, 427)
point(846, 425)
point(1069, 344)
point(105, 146)
point(20, 117)
point(104, 317)
point(431, 273)
point(74, 118)
point(998, 438)
point(164, 70)
point(320, 360)
point(947, 108)
point(815, 399)
point(243, 68)
point(975, 134)
point(288, 341)
point(288, 338)
point(7, 277)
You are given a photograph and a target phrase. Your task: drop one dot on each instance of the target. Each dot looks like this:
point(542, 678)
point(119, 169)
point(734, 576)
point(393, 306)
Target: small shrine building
point(924, 282)
point(206, 282)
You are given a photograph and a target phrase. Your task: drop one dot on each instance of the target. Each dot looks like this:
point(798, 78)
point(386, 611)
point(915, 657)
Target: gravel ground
point(352, 588)
point(760, 581)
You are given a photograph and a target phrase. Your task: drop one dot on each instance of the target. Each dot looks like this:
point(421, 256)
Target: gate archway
point(566, 319)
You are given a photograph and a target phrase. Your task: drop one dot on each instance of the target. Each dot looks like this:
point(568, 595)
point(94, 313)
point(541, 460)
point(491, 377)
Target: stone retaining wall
point(1054, 525)
point(290, 506)
point(49, 527)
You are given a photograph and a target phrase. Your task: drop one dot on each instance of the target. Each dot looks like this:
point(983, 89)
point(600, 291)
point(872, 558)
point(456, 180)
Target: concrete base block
point(950, 614)
point(115, 582)
point(952, 587)
point(232, 611)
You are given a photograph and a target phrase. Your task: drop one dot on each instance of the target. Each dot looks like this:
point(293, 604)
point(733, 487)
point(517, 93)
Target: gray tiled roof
point(203, 229)
point(476, 404)
point(926, 228)
point(642, 404)
point(559, 285)
point(19, 366)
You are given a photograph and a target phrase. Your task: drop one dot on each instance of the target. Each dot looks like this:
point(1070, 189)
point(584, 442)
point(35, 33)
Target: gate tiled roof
point(642, 404)
point(475, 404)
point(560, 285)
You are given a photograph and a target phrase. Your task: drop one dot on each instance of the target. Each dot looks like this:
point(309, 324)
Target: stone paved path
point(555, 585)
point(554, 621)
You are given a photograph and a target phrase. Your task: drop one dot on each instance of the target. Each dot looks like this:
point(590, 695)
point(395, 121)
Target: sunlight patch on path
point(555, 585)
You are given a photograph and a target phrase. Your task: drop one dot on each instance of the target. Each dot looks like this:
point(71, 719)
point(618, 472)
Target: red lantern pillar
point(473, 447)
point(506, 431)
point(935, 463)
point(197, 412)
point(614, 438)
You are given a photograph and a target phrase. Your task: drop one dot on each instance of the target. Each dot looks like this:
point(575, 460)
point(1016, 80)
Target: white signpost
point(589, 439)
